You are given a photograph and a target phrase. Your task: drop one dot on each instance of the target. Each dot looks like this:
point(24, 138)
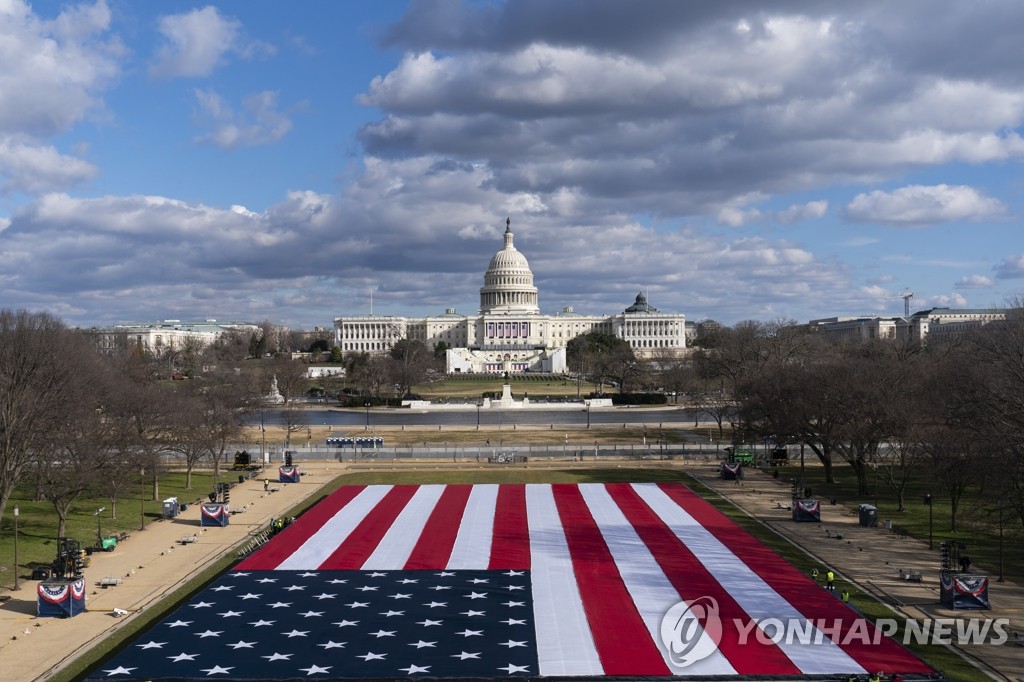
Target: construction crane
point(906, 296)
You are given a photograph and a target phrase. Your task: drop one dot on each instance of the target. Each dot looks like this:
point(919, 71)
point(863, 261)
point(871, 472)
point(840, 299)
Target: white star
point(435, 604)
point(514, 572)
point(180, 623)
point(384, 633)
point(119, 671)
point(377, 574)
point(250, 595)
point(512, 644)
point(515, 603)
point(229, 614)
point(444, 574)
point(388, 614)
point(239, 574)
point(421, 644)
point(514, 587)
point(202, 605)
point(296, 633)
point(515, 668)
point(368, 588)
point(346, 623)
point(471, 633)
point(151, 645)
point(336, 581)
point(416, 669)
point(464, 655)
point(292, 588)
point(183, 657)
point(427, 623)
point(477, 581)
point(370, 656)
point(241, 645)
point(267, 580)
point(407, 581)
point(261, 623)
point(217, 670)
point(308, 574)
point(472, 613)
point(209, 633)
point(309, 614)
point(399, 596)
point(477, 595)
point(222, 588)
point(513, 621)
point(440, 587)
point(280, 605)
point(313, 669)
point(333, 645)
point(277, 657)
point(325, 595)
point(357, 604)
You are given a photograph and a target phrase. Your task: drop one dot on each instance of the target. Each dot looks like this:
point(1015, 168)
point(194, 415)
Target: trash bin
point(868, 515)
point(241, 479)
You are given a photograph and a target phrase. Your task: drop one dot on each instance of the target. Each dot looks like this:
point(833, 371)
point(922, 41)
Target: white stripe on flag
point(397, 544)
point(564, 642)
point(650, 589)
point(472, 549)
point(315, 550)
point(753, 595)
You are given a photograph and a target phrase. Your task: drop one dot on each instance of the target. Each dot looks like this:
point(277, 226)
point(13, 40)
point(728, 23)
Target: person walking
point(830, 581)
point(266, 484)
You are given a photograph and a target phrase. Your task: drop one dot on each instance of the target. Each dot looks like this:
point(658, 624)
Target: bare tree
point(38, 355)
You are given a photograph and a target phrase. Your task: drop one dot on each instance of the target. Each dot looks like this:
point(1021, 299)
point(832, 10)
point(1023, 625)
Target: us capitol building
point(509, 333)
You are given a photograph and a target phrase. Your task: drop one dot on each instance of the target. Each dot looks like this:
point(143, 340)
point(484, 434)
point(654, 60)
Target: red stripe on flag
point(510, 545)
point(434, 547)
point(692, 580)
point(800, 591)
point(359, 545)
point(623, 642)
point(294, 536)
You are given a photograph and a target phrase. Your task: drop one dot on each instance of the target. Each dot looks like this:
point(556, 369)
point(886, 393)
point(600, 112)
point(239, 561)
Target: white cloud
point(918, 205)
point(1012, 267)
point(735, 216)
point(198, 42)
point(35, 169)
point(258, 123)
point(950, 301)
point(974, 282)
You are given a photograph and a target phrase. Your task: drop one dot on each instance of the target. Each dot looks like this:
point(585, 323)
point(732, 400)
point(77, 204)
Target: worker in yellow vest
point(830, 581)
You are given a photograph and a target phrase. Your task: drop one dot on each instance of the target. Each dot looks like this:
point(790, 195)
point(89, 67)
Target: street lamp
point(930, 502)
point(588, 414)
point(1002, 506)
point(367, 406)
point(16, 512)
point(142, 498)
point(479, 404)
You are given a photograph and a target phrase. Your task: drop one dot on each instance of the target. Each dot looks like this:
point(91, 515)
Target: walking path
point(154, 562)
point(151, 564)
point(875, 559)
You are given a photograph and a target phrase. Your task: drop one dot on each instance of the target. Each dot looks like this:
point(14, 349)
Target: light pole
point(142, 498)
point(479, 404)
point(1002, 506)
point(930, 502)
point(367, 406)
point(588, 414)
point(16, 512)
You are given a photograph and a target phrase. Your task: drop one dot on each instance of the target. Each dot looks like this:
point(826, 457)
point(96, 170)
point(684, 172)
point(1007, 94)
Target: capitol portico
point(509, 333)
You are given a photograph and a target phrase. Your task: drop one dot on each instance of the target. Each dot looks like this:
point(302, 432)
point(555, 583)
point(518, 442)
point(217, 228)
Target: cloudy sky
point(290, 161)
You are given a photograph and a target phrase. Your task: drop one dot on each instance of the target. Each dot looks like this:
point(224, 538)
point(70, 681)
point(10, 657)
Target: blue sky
point(282, 161)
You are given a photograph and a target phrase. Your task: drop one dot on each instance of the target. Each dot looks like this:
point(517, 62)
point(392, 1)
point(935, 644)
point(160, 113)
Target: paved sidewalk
point(873, 558)
point(150, 564)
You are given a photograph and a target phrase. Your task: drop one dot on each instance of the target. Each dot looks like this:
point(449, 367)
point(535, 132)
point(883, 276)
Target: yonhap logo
point(690, 632)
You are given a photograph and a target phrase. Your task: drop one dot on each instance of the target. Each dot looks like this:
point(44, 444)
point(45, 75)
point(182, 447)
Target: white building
point(924, 326)
point(160, 337)
point(509, 333)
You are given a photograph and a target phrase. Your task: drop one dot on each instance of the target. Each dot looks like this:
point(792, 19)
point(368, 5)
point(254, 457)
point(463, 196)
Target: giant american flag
point(509, 580)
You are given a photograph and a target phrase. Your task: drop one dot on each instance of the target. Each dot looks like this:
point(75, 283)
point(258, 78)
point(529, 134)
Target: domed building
point(509, 333)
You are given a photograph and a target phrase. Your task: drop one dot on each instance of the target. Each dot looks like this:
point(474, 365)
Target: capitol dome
point(508, 282)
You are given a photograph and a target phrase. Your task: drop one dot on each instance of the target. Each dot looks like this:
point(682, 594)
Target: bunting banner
point(214, 514)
